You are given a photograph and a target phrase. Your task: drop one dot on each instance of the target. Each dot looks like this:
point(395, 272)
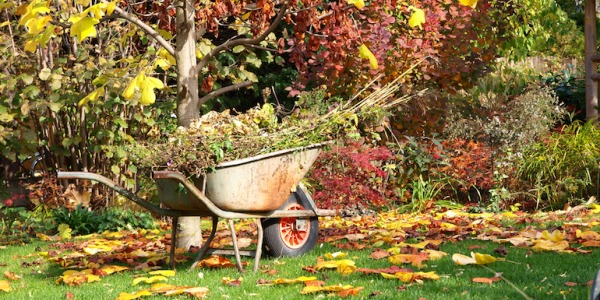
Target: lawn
point(540, 256)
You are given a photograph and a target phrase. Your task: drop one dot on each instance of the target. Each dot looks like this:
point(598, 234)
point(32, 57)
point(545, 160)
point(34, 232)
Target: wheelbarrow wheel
point(291, 236)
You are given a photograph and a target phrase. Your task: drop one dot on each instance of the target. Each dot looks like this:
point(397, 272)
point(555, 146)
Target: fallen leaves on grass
point(11, 276)
point(215, 261)
point(488, 280)
point(343, 266)
point(232, 281)
point(288, 281)
point(475, 258)
point(340, 290)
point(5, 286)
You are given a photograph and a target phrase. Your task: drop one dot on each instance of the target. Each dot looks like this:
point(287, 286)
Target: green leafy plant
point(424, 194)
point(10, 216)
point(81, 220)
point(115, 219)
point(569, 87)
point(563, 167)
point(541, 27)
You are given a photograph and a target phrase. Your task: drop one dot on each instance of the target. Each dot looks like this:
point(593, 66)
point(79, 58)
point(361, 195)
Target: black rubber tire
point(273, 243)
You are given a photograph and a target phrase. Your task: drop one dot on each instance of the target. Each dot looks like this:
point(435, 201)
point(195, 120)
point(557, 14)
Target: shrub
point(351, 175)
point(569, 88)
point(564, 167)
point(84, 221)
point(505, 123)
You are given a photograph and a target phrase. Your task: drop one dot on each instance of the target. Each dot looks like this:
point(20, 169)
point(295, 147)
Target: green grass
point(540, 275)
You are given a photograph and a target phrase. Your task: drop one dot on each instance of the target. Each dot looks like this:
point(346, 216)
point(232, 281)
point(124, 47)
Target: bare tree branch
point(146, 28)
point(224, 90)
point(246, 41)
point(289, 50)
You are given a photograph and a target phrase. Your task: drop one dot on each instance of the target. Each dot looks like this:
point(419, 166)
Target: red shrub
point(351, 175)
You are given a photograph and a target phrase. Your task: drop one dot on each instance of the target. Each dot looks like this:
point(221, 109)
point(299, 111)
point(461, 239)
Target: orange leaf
point(486, 280)
point(350, 292)
point(592, 243)
point(11, 276)
point(379, 254)
point(216, 261)
point(414, 259)
point(569, 283)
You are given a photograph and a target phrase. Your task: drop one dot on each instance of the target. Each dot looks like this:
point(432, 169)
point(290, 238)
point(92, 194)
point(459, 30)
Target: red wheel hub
point(294, 231)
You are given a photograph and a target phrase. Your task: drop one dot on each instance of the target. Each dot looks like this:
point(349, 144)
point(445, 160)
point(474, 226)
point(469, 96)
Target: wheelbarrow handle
point(128, 194)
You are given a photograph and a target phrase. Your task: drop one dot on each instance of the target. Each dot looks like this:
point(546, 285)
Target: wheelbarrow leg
point(213, 231)
point(258, 244)
point(236, 249)
point(173, 242)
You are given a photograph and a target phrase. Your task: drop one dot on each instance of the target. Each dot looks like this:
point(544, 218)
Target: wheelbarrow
point(266, 188)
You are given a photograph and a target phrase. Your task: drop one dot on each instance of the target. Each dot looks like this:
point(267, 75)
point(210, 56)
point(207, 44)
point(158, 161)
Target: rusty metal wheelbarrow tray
point(259, 187)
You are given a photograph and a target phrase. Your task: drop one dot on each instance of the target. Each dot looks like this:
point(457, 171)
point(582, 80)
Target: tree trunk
point(188, 233)
point(187, 75)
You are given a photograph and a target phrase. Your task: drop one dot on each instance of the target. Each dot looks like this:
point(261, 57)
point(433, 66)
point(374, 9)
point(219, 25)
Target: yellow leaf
point(417, 18)
point(365, 53)
point(295, 280)
point(93, 96)
point(166, 55)
point(344, 266)
point(427, 275)
point(129, 91)
point(435, 255)
point(402, 276)
point(84, 27)
point(154, 83)
point(595, 208)
point(167, 273)
point(152, 279)
point(113, 269)
point(162, 63)
point(148, 97)
point(420, 245)
point(110, 7)
point(556, 236)
point(476, 258)
point(139, 294)
point(37, 25)
point(483, 259)
point(461, 259)
point(469, 3)
point(162, 287)
point(357, 3)
point(547, 245)
point(5, 286)
point(30, 46)
point(147, 86)
point(330, 288)
point(587, 235)
point(64, 231)
point(97, 249)
point(335, 255)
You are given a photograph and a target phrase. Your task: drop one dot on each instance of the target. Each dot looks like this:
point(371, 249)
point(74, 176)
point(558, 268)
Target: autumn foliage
point(350, 176)
point(451, 47)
